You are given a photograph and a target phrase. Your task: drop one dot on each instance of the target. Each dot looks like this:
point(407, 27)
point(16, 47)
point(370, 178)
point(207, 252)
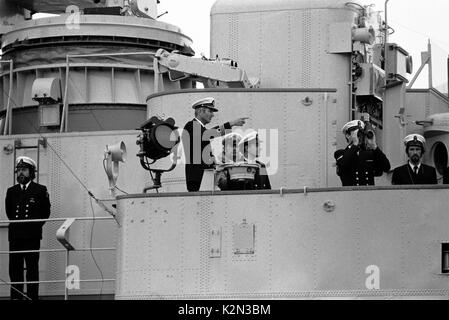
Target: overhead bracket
point(63, 234)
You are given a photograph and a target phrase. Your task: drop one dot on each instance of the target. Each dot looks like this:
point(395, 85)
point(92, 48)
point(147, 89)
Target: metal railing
point(65, 108)
point(67, 250)
point(8, 119)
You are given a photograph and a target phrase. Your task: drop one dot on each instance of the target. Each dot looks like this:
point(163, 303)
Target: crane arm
point(212, 73)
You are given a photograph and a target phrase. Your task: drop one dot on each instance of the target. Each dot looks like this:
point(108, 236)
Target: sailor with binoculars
point(362, 159)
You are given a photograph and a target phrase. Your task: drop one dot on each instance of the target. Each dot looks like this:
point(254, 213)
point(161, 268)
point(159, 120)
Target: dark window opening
point(440, 157)
point(445, 258)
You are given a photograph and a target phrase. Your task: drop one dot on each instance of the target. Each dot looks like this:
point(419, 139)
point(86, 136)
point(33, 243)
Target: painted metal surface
point(103, 25)
point(83, 154)
point(226, 6)
point(114, 83)
point(301, 250)
point(106, 84)
point(10, 15)
point(287, 44)
point(422, 103)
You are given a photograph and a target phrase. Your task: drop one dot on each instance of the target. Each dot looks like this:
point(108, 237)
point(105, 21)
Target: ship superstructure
point(72, 84)
point(86, 79)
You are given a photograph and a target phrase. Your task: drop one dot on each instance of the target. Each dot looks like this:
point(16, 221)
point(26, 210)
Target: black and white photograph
point(223, 155)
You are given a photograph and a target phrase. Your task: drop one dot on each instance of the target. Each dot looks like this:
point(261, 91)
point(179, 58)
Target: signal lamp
point(158, 138)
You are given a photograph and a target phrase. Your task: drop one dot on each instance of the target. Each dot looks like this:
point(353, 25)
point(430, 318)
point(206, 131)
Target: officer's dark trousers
point(193, 186)
point(16, 267)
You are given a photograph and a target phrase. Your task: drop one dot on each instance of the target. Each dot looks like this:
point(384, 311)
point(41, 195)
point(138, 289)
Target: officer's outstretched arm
point(219, 131)
point(238, 122)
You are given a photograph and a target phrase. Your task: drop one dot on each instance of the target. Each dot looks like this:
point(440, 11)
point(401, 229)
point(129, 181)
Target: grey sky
point(414, 22)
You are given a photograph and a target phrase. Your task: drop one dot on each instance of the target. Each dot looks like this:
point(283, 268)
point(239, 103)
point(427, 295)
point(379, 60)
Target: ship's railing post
point(65, 109)
point(66, 287)
point(8, 119)
point(63, 237)
point(18, 145)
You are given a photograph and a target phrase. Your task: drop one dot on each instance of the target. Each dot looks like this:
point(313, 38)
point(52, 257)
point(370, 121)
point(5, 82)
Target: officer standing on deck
point(414, 172)
point(362, 160)
point(26, 200)
point(196, 141)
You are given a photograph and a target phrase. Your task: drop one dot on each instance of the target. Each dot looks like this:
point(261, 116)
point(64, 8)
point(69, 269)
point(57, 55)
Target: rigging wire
point(90, 246)
point(421, 33)
point(91, 195)
point(57, 154)
point(124, 192)
point(18, 291)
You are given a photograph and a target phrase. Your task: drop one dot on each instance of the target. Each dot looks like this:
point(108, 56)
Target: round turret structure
point(290, 44)
point(99, 64)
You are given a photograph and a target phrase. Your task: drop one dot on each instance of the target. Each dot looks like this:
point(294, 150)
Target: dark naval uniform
point(406, 175)
point(357, 167)
point(261, 181)
point(196, 140)
point(32, 203)
point(446, 176)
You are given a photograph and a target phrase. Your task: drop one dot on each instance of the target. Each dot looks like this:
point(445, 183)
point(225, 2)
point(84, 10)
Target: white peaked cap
point(27, 160)
point(415, 139)
point(206, 102)
point(352, 124)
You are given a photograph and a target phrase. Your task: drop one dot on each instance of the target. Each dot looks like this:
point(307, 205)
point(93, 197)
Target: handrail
point(283, 191)
point(58, 250)
point(54, 281)
point(55, 220)
point(66, 250)
point(64, 116)
point(111, 54)
point(65, 108)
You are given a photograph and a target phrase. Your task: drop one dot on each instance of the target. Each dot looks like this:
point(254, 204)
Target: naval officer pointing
point(196, 141)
